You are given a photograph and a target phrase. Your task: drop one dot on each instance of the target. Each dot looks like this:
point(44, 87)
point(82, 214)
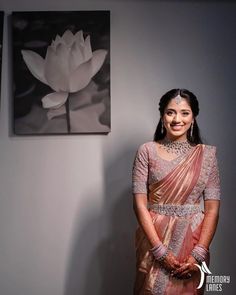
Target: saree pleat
point(175, 232)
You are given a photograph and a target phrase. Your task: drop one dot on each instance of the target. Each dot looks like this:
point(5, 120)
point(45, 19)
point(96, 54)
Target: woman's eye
point(169, 113)
point(185, 113)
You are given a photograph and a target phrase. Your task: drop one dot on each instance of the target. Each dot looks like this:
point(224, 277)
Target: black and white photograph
point(1, 44)
point(117, 147)
point(61, 72)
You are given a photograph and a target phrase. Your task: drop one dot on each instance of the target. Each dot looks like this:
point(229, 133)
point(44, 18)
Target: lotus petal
point(54, 100)
point(35, 64)
point(79, 37)
point(68, 37)
point(75, 58)
point(87, 50)
point(80, 46)
point(81, 77)
point(57, 41)
point(98, 60)
point(56, 68)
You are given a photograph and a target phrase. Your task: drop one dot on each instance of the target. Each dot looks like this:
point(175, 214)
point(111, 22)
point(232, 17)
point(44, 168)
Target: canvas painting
point(61, 72)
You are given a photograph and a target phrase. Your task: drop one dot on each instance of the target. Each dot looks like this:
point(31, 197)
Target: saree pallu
point(178, 225)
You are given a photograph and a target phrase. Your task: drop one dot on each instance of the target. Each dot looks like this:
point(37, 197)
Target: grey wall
point(66, 220)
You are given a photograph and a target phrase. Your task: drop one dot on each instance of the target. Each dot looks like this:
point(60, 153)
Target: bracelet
point(163, 256)
point(197, 257)
point(199, 253)
point(159, 252)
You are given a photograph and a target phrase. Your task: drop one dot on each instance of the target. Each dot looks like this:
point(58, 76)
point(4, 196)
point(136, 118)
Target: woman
point(172, 177)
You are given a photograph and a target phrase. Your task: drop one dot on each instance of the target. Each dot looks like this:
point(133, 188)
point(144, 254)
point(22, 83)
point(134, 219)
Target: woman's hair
point(193, 103)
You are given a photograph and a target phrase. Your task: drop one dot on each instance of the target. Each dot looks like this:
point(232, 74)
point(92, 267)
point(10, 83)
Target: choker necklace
point(175, 147)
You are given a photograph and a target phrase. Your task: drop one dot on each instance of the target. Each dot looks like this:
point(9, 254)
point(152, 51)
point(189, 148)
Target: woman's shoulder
point(209, 147)
point(145, 148)
point(146, 145)
point(209, 150)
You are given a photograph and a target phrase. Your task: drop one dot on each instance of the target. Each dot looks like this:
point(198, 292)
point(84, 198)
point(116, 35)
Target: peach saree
point(177, 217)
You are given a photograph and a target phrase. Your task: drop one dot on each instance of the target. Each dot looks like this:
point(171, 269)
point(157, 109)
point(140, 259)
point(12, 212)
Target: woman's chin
point(174, 135)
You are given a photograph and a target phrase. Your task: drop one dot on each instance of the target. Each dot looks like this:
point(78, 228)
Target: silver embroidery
point(175, 210)
point(212, 194)
point(161, 282)
point(175, 244)
point(196, 220)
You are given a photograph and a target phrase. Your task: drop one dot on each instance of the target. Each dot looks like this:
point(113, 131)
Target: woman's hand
point(170, 263)
point(187, 269)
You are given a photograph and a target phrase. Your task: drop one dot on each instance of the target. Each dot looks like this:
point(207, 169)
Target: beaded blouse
point(149, 167)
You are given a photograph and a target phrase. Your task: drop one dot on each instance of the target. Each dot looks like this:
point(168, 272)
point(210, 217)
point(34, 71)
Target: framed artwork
point(1, 42)
point(61, 72)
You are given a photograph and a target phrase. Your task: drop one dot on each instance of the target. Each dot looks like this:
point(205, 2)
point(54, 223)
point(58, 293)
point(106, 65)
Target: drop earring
point(162, 127)
point(191, 131)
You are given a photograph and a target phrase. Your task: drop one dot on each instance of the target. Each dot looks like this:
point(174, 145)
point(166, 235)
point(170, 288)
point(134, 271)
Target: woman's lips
point(176, 127)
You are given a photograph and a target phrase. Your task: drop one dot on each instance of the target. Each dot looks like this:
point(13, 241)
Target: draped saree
point(177, 227)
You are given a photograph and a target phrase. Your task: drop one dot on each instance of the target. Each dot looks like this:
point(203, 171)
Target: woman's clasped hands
point(184, 270)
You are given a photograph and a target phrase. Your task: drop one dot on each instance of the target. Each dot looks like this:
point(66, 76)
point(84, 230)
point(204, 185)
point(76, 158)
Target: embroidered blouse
point(149, 167)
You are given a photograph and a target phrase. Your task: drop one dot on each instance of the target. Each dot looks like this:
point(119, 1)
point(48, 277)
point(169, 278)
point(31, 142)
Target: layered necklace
point(176, 147)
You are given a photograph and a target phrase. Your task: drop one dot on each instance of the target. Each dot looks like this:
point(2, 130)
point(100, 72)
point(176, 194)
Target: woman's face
point(177, 119)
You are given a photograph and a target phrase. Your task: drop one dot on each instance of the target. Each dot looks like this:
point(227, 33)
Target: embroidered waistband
point(175, 210)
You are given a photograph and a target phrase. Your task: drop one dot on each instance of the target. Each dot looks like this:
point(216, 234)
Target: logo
point(204, 270)
point(213, 282)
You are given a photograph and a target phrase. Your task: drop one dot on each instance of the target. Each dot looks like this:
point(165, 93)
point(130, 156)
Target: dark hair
point(192, 101)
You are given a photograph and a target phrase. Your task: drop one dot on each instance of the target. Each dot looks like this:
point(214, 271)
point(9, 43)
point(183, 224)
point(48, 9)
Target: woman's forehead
point(182, 104)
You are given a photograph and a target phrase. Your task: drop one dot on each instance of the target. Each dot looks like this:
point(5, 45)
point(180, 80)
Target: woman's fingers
point(185, 273)
point(176, 264)
point(172, 260)
point(168, 264)
point(181, 269)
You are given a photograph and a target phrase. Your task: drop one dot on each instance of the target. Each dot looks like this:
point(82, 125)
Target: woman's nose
point(176, 118)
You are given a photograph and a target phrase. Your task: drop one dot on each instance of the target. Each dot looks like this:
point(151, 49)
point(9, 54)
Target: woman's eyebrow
point(170, 110)
point(180, 110)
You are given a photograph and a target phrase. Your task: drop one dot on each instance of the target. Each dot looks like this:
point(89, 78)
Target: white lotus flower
point(68, 67)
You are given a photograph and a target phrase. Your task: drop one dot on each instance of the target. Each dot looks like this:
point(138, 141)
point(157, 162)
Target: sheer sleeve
point(140, 171)
point(212, 189)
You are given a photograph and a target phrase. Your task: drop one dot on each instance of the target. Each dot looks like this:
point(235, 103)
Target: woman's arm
point(144, 218)
point(140, 191)
point(211, 203)
point(210, 222)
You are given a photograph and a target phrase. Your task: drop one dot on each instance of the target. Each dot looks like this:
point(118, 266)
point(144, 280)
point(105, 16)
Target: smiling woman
point(178, 118)
point(171, 176)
